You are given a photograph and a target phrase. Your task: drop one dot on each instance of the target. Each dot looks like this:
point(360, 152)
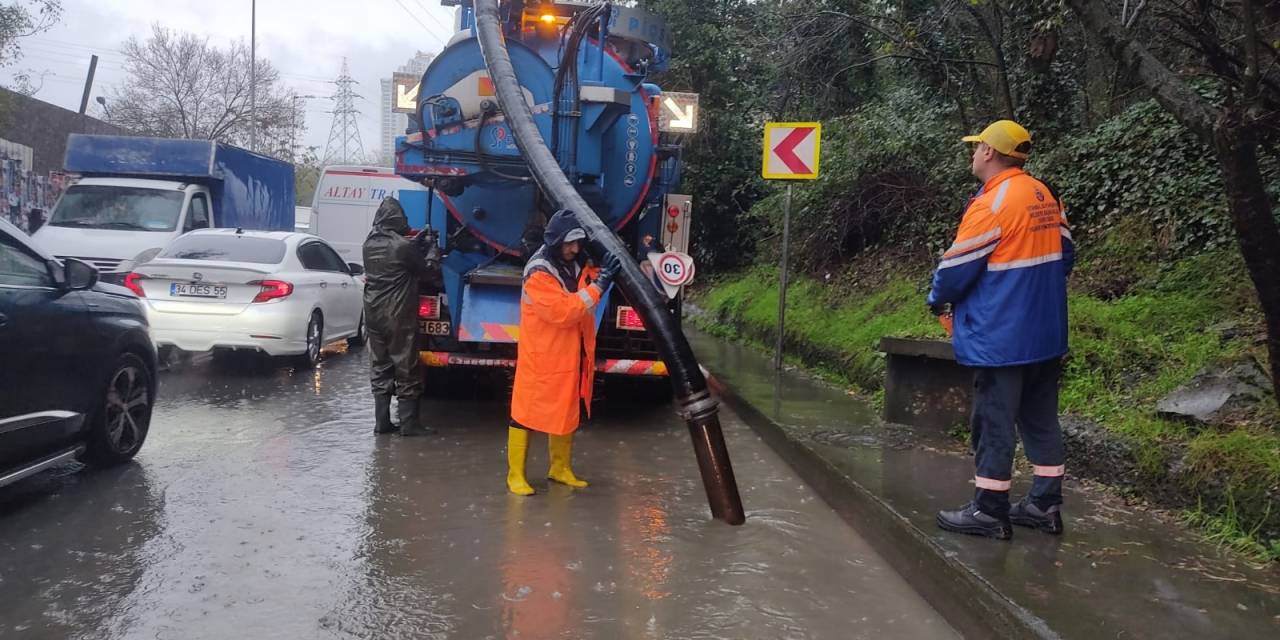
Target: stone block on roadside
point(1216, 393)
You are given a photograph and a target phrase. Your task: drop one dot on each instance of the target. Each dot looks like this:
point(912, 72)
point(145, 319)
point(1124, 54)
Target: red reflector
point(131, 282)
point(272, 290)
point(629, 320)
point(428, 307)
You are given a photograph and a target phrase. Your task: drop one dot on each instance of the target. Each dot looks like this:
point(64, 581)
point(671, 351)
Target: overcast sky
point(305, 39)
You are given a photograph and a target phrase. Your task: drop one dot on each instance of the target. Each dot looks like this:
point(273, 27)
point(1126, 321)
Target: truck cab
point(115, 223)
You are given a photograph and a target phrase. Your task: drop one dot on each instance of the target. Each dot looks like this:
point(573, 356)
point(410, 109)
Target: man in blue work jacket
point(1005, 279)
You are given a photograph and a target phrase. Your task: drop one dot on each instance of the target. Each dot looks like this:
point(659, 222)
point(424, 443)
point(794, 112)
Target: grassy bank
point(1127, 351)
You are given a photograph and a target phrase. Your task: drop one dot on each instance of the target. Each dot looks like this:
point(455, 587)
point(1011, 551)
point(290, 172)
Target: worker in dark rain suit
point(555, 361)
point(393, 266)
point(1005, 278)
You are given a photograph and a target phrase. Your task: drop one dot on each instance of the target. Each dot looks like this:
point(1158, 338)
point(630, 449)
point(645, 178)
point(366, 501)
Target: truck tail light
point(131, 283)
point(629, 320)
point(272, 290)
point(428, 307)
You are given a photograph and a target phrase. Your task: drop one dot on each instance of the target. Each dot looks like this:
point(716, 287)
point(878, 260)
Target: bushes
point(893, 173)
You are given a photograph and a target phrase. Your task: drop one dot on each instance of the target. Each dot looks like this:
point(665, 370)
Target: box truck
point(134, 195)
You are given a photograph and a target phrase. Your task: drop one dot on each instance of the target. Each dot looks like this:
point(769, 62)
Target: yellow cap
point(1005, 136)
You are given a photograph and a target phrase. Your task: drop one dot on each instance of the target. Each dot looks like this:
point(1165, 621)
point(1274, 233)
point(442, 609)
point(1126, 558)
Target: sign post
point(782, 278)
point(791, 152)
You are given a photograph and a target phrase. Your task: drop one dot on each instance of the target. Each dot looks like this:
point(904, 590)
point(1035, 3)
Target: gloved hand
point(608, 271)
point(939, 309)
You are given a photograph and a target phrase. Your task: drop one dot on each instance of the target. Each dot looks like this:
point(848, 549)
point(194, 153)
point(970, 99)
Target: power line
point(28, 49)
point(59, 44)
point(64, 62)
point(421, 23)
point(430, 14)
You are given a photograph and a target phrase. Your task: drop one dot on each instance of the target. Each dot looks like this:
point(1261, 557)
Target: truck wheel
point(359, 338)
point(119, 426)
point(315, 339)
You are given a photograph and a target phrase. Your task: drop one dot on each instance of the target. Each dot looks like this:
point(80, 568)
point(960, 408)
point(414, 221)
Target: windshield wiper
point(123, 225)
point(73, 223)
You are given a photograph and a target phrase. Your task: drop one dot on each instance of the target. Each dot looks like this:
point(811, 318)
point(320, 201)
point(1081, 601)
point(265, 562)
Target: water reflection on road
point(263, 507)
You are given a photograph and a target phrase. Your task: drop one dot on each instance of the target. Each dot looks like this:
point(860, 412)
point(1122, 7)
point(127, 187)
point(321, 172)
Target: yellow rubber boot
point(561, 450)
point(517, 449)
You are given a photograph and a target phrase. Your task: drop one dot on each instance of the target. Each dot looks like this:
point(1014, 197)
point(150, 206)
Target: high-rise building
point(394, 124)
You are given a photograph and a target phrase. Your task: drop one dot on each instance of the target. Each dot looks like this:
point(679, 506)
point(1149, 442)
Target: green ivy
point(1143, 164)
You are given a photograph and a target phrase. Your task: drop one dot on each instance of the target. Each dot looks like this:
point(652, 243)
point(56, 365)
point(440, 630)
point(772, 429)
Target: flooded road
point(263, 506)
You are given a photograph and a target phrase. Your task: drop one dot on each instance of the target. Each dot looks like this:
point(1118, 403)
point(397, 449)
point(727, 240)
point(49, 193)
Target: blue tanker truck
point(584, 68)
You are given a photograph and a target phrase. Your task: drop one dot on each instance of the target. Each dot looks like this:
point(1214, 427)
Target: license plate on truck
point(435, 327)
point(183, 290)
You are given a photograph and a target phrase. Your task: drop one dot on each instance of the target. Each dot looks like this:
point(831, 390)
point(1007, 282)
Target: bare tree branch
point(1184, 103)
point(182, 86)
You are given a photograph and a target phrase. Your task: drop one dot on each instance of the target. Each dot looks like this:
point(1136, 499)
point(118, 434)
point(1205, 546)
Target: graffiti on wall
point(25, 197)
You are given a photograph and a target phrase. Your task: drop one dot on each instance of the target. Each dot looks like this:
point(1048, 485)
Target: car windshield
point(228, 247)
point(113, 207)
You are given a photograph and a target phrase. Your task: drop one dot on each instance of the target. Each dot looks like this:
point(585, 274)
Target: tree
point(20, 19)
point(181, 86)
point(306, 175)
point(1236, 41)
point(713, 54)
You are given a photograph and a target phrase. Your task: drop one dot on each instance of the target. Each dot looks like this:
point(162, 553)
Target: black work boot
point(410, 422)
point(968, 519)
point(1027, 514)
point(382, 414)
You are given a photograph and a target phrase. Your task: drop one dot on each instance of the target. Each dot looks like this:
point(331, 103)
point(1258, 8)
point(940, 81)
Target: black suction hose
point(698, 408)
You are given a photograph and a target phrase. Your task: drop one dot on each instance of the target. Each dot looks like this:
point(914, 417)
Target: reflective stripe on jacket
point(1006, 275)
point(556, 352)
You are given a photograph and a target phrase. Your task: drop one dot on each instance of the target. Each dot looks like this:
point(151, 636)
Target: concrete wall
point(44, 127)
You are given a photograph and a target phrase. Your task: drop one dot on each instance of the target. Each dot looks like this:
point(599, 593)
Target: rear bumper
point(651, 368)
point(274, 329)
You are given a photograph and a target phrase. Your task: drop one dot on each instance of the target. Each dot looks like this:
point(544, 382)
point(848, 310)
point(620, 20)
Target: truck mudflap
point(610, 366)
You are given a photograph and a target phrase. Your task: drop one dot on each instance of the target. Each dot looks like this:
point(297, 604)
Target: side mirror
point(356, 269)
point(78, 275)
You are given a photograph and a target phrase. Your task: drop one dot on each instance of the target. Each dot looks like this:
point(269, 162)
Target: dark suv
point(77, 365)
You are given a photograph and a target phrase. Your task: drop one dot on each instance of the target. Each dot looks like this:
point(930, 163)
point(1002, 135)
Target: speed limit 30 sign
point(673, 269)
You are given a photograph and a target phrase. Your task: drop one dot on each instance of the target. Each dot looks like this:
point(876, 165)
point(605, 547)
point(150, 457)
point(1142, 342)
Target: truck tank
point(584, 69)
point(605, 136)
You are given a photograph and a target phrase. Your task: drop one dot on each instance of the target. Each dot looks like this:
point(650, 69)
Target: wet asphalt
point(262, 506)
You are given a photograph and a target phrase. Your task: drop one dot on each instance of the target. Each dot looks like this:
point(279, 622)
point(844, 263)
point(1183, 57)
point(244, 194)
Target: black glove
point(939, 309)
point(608, 271)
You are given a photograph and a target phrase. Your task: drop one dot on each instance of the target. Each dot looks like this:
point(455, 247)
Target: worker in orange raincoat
point(555, 362)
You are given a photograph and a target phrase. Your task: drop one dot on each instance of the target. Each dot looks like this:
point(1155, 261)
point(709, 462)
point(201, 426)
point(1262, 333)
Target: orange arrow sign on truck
point(791, 150)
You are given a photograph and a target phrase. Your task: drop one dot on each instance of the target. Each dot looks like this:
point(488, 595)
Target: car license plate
point(435, 328)
point(182, 289)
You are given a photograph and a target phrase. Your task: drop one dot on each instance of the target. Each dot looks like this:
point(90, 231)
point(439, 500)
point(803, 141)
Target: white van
point(346, 199)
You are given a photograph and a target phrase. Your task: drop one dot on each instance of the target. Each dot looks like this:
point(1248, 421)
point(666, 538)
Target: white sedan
point(280, 293)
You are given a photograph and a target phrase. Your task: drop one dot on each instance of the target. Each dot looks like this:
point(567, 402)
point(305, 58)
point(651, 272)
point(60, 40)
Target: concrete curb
point(967, 601)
